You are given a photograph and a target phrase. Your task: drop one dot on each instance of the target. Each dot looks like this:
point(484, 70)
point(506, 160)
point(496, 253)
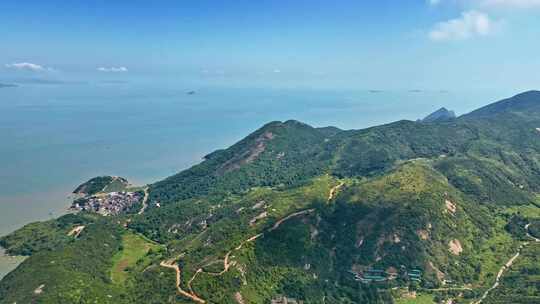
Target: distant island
point(4, 85)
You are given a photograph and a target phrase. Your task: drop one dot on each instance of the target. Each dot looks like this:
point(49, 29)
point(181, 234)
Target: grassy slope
point(134, 248)
point(420, 299)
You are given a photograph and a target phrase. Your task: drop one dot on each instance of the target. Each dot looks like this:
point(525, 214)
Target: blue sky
point(406, 44)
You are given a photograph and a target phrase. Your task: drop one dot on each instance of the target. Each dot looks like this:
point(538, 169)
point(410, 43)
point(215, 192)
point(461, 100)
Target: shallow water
point(8, 263)
point(53, 137)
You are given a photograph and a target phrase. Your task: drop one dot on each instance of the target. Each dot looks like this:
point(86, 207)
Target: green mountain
point(441, 114)
point(408, 212)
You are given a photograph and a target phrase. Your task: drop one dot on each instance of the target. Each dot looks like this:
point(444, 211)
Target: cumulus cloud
point(470, 24)
point(112, 69)
point(27, 66)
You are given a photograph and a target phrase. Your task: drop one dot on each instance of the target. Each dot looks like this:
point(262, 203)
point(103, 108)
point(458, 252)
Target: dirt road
point(145, 201)
point(508, 264)
point(174, 266)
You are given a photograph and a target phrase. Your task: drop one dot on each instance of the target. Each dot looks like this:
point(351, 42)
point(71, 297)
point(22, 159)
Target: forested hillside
point(404, 211)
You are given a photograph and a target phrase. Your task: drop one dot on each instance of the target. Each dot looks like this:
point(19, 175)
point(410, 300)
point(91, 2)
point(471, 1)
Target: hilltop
point(440, 115)
point(319, 215)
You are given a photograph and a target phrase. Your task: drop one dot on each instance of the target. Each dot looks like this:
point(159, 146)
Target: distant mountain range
point(431, 209)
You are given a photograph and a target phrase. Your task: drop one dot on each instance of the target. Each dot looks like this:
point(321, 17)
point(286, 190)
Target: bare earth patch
point(247, 156)
point(76, 231)
point(450, 207)
point(238, 297)
point(39, 290)
point(257, 218)
point(423, 234)
point(455, 247)
point(440, 275)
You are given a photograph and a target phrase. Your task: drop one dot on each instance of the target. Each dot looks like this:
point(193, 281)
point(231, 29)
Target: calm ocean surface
point(53, 137)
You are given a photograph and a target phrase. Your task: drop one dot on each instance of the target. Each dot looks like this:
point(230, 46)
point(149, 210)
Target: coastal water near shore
point(57, 136)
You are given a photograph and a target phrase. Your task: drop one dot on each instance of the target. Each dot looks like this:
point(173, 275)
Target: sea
point(54, 136)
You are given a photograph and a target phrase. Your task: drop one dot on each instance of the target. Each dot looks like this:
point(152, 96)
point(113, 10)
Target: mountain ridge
point(315, 214)
point(529, 100)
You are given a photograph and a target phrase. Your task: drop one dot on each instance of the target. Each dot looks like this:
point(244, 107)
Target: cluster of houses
point(111, 203)
point(379, 275)
point(284, 300)
point(415, 275)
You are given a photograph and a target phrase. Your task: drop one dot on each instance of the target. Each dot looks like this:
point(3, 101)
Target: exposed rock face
point(248, 155)
point(441, 114)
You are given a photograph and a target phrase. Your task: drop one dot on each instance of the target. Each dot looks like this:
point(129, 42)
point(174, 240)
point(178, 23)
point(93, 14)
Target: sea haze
point(53, 137)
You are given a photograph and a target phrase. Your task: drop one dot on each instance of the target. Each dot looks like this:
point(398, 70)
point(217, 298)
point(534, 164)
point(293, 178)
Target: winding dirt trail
point(174, 266)
point(506, 266)
point(529, 235)
point(227, 264)
point(144, 202)
point(278, 223)
point(450, 289)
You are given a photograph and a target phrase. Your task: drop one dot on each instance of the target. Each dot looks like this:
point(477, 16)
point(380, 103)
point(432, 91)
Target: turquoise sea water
point(53, 137)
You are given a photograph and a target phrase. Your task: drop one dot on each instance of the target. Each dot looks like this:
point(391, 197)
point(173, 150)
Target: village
point(112, 203)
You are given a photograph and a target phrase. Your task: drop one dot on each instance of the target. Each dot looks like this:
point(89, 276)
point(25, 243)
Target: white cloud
point(112, 69)
point(27, 66)
point(487, 4)
point(470, 24)
point(511, 3)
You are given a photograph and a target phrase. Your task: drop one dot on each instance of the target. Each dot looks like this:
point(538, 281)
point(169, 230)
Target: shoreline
point(8, 263)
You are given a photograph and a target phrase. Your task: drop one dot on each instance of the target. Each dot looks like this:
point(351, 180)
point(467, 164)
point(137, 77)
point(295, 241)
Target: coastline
point(8, 263)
